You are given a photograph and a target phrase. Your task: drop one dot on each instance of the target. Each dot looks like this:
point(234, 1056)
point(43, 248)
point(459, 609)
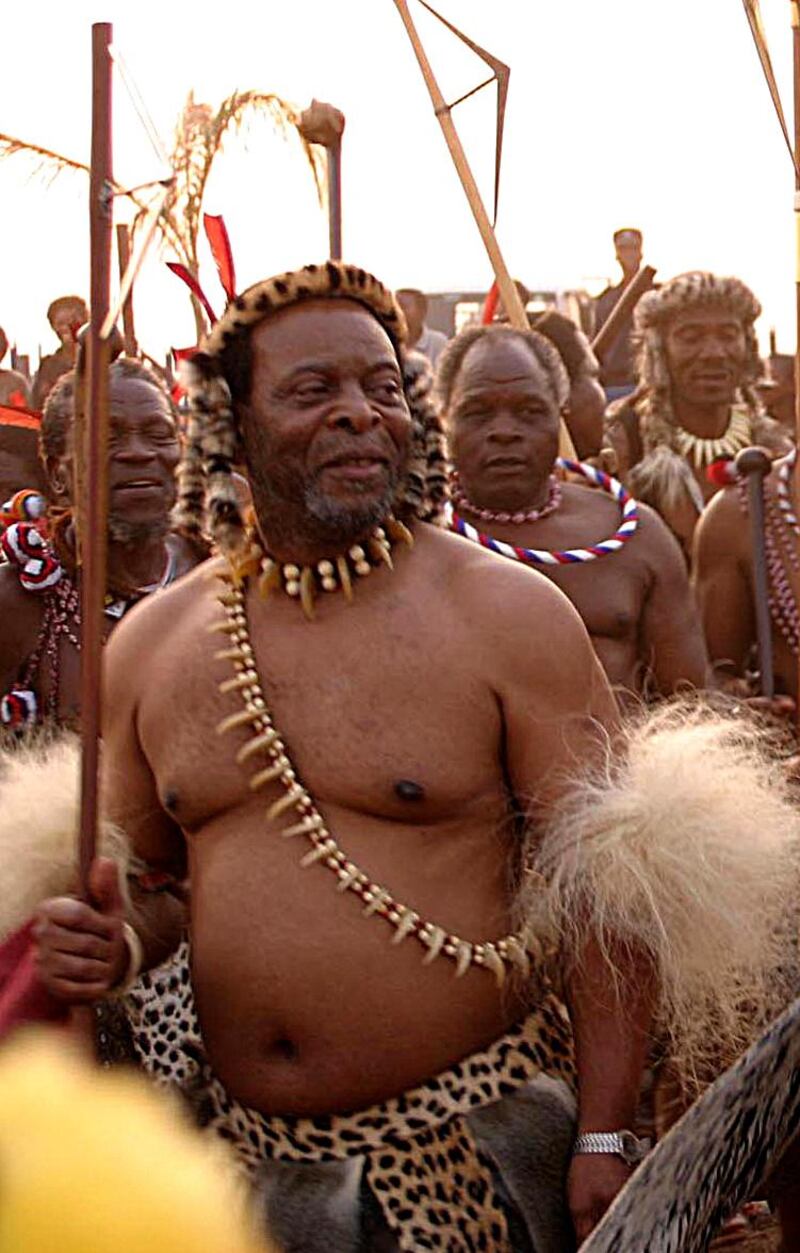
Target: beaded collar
point(267, 751)
point(461, 501)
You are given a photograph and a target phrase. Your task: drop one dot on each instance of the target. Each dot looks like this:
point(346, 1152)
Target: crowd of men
point(383, 664)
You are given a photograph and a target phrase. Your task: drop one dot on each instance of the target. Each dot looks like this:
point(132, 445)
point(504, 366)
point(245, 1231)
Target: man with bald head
point(501, 394)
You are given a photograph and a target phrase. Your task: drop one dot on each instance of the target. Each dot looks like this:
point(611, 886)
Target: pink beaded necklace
point(461, 502)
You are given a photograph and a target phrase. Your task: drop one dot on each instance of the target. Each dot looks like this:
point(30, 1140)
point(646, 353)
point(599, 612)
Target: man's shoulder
point(723, 528)
point(167, 614)
point(496, 594)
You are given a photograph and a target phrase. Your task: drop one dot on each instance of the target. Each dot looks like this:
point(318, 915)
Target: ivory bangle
point(135, 961)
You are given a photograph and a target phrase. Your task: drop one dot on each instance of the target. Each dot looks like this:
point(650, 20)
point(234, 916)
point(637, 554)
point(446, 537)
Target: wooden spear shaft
point(124, 257)
point(334, 152)
point(795, 16)
point(93, 541)
point(508, 292)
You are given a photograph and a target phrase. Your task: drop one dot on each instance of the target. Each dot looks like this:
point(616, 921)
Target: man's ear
point(58, 472)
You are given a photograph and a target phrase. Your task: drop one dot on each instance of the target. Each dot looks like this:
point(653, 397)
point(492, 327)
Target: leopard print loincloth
point(422, 1162)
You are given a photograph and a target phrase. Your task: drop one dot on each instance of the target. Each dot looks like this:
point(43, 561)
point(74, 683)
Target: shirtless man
point(501, 393)
point(66, 315)
point(451, 684)
point(698, 367)
point(39, 657)
point(723, 576)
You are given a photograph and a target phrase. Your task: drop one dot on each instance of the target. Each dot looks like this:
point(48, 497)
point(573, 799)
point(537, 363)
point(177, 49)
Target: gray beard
point(121, 531)
point(326, 523)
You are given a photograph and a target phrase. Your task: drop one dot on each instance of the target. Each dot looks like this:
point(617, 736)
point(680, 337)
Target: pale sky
point(625, 112)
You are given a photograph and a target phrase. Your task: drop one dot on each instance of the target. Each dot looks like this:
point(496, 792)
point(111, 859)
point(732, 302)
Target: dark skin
point(143, 455)
point(723, 579)
point(636, 604)
point(304, 1008)
point(706, 354)
point(19, 462)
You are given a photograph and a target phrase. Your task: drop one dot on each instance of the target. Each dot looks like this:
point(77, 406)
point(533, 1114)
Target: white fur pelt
point(39, 809)
point(684, 845)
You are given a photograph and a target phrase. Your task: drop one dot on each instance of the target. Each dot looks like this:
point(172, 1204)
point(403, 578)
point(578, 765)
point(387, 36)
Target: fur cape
point(683, 845)
point(39, 789)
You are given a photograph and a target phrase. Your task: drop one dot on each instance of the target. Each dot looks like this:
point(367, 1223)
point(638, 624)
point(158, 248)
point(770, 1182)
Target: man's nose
point(503, 430)
point(133, 448)
point(354, 411)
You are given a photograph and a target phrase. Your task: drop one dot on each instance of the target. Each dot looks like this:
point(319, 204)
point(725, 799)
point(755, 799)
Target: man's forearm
point(611, 1012)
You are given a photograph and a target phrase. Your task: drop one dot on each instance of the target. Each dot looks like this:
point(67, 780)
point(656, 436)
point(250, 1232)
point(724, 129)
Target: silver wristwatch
point(622, 1144)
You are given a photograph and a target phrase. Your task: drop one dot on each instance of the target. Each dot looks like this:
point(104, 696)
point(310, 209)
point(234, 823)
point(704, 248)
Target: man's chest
point(374, 725)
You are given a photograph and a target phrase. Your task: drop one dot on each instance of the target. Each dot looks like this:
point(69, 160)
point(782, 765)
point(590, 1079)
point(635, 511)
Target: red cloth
point(23, 999)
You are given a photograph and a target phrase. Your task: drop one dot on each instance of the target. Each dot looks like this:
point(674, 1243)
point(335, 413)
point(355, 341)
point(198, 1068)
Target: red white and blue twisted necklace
point(567, 556)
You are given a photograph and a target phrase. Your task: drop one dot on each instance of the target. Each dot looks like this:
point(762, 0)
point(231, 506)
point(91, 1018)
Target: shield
point(716, 1157)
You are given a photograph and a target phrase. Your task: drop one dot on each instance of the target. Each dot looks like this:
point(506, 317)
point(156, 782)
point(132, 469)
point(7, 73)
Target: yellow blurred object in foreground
point(95, 1162)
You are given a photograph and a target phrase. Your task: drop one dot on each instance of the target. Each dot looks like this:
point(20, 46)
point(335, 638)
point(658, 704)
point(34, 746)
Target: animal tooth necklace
point(330, 575)
point(546, 557)
point(266, 749)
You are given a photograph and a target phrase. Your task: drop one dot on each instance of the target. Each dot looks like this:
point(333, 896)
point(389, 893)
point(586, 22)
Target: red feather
point(490, 305)
point(217, 235)
point(193, 286)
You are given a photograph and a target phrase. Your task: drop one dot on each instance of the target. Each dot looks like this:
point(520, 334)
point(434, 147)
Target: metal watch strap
point(622, 1144)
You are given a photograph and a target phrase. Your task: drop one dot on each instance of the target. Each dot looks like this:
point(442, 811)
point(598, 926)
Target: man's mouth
point(505, 462)
point(139, 485)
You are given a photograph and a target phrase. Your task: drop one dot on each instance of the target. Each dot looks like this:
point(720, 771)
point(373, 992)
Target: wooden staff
point(94, 450)
point(639, 284)
point(124, 258)
point(754, 464)
point(323, 124)
point(508, 292)
point(795, 15)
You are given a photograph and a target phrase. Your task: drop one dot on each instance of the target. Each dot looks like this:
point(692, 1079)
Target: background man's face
point(706, 355)
point(502, 424)
point(65, 321)
point(414, 310)
point(143, 454)
point(327, 425)
point(628, 250)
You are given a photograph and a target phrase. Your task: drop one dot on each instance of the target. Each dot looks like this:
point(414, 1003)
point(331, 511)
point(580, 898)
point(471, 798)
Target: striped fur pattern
point(207, 499)
point(654, 312)
point(716, 1157)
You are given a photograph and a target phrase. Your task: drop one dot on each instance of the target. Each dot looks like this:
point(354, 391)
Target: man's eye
point(311, 391)
point(389, 387)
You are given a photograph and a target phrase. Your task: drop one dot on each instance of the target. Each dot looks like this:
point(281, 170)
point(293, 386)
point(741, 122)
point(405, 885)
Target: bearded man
point(698, 368)
point(39, 604)
point(368, 704)
point(501, 394)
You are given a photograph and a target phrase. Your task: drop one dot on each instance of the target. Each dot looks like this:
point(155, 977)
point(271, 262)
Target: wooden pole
point(124, 257)
point(754, 465)
point(795, 15)
point(508, 292)
point(93, 541)
point(640, 283)
point(334, 152)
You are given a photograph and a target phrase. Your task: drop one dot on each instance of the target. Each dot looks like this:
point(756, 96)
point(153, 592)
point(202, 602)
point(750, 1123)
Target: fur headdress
point(207, 497)
point(654, 312)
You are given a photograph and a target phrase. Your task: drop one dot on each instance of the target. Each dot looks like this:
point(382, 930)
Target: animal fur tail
point(39, 810)
point(684, 844)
